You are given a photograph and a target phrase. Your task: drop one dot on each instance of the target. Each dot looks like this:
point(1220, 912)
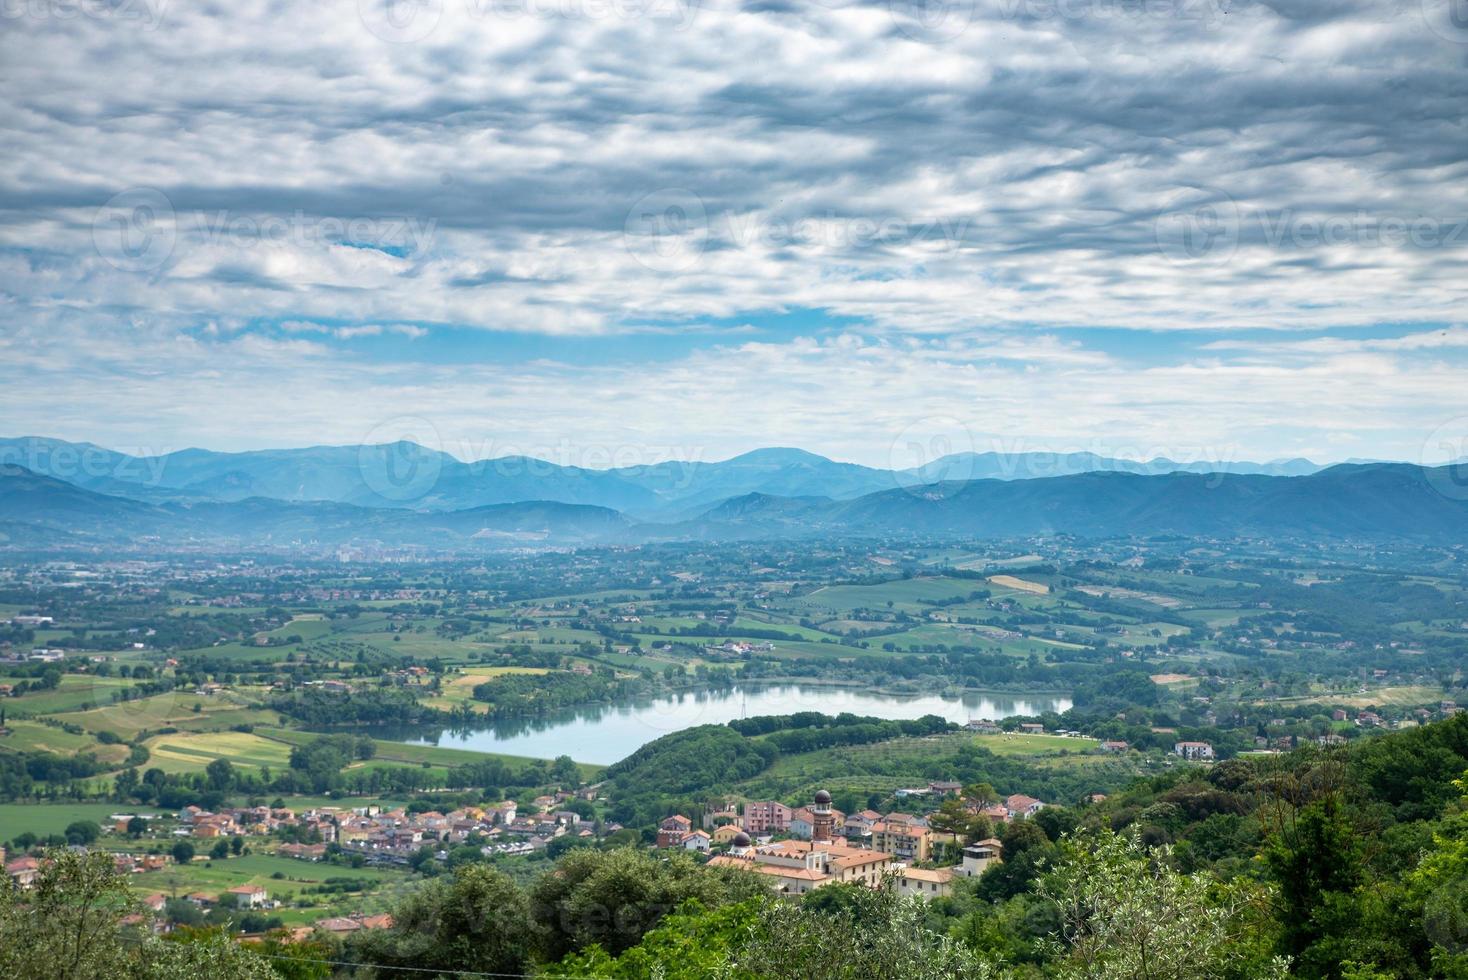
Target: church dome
point(823, 798)
point(741, 839)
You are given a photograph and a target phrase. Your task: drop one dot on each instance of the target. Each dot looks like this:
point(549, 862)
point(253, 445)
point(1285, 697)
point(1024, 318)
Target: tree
point(137, 827)
point(477, 922)
point(220, 850)
point(220, 774)
point(82, 832)
point(182, 851)
point(1126, 914)
point(68, 926)
point(872, 933)
point(612, 898)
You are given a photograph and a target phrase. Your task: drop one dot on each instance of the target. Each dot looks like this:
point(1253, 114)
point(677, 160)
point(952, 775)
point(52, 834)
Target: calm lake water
point(609, 732)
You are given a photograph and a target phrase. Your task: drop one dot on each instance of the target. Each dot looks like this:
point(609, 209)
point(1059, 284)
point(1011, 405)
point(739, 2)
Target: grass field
point(51, 818)
point(172, 710)
point(1015, 744)
point(192, 752)
point(74, 691)
point(32, 736)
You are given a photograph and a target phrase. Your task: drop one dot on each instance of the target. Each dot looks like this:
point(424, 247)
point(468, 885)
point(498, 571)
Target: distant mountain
point(40, 511)
point(397, 475)
point(1389, 500)
point(1393, 499)
point(406, 475)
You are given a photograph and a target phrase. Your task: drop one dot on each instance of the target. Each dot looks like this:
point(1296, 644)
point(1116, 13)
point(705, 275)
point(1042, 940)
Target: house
point(1020, 806)
point(945, 787)
point(155, 902)
point(1194, 751)
point(924, 883)
point(673, 829)
point(903, 836)
point(249, 896)
point(978, 856)
point(23, 871)
point(727, 833)
point(339, 926)
point(1032, 728)
point(697, 840)
point(1114, 745)
point(802, 824)
point(766, 817)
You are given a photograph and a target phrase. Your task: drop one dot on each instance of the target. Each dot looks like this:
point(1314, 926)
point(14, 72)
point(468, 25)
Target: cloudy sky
point(614, 231)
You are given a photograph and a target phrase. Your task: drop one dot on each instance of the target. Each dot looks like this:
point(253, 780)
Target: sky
point(612, 232)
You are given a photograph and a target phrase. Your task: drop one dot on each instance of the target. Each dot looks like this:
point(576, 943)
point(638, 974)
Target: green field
point(74, 691)
point(52, 818)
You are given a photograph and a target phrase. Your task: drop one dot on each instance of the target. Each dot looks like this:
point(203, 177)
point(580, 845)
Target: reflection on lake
point(605, 733)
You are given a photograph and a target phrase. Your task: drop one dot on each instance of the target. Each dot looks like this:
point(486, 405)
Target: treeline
point(525, 694)
point(318, 708)
point(807, 731)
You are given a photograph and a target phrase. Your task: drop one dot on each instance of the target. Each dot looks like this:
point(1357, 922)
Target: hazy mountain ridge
point(1349, 500)
point(405, 475)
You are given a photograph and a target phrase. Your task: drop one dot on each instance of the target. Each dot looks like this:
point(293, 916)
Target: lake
point(606, 733)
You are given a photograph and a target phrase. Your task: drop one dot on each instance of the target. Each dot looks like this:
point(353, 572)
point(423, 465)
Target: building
point(978, 856)
point(23, 871)
point(924, 883)
point(1194, 751)
point(902, 835)
point(249, 896)
point(1020, 806)
point(673, 829)
point(766, 817)
point(796, 867)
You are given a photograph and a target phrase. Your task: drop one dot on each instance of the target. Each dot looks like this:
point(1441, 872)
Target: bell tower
point(823, 823)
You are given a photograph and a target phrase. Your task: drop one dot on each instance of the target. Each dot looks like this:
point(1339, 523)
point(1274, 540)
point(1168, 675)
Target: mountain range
point(201, 507)
point(407, 475)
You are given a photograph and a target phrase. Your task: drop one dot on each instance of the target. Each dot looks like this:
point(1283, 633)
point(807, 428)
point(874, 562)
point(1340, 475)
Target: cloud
point(953, 196)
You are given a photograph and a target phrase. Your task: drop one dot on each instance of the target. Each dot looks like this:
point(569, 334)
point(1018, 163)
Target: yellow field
point(185, 752)
point(1173, 679)
point(1023, 585)
point(1406, 695)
